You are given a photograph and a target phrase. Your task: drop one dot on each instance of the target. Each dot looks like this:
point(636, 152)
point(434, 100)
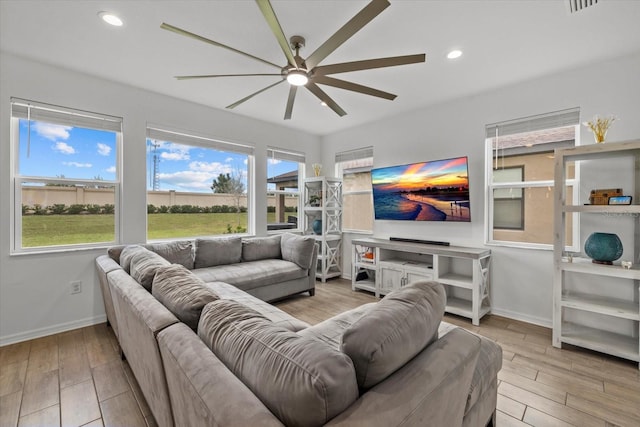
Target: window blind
point(357, 154)
point(556, 119)
point(182, 138)
point(36, 111)
point(274, 153)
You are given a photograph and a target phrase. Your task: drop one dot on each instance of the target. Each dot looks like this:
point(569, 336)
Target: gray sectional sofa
point(207, 353)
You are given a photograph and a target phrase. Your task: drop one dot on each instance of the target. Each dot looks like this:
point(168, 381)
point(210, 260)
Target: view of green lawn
point(51, 230)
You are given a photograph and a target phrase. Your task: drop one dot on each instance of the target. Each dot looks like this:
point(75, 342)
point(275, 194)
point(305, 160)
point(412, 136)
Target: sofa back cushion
point(178, 252)
point(259, 248)
point(298, 249)
point(143, 266)
point(182, 292)
point(218, 251)
point(395, 330)
point(125, 255)
point(304, 382)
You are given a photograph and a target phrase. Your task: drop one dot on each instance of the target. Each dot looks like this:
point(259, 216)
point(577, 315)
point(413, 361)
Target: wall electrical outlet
point(76, 287)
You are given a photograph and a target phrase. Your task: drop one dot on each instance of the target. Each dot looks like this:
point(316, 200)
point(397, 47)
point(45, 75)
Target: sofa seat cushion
point(392, 332)
point(302, 381)
point(487, 367)
point(254, 274)
point(182, 292)
point(278, 317)
point(331, 330)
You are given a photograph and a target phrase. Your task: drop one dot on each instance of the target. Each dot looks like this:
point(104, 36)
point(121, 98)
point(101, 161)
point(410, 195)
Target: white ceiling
point(504, 42)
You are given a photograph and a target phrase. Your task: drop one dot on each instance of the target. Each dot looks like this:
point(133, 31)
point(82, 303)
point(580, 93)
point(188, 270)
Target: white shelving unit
point(586, 302)
point(323, 201)
point(389, 265)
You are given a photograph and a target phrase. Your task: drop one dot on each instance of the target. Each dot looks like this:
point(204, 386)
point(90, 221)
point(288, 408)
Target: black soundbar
point(426, 242)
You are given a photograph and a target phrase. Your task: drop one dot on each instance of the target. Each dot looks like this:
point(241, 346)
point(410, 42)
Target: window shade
point(181, 138)
point(357, 154)
point(274, 153)
point(570, 117)
point(23, 109)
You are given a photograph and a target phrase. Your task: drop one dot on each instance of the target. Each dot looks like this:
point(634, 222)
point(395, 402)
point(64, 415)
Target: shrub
point(108, 209)
point(151, 209)
point(163, 209)
point(291, 209)
point(224, 209)
point(75, 209)
point(175, 209)
point(25, 209)
point(58, 208)
point(243, 209)
point(271, 209)
point(94, 209)
point(238, 229)
point(39, 210)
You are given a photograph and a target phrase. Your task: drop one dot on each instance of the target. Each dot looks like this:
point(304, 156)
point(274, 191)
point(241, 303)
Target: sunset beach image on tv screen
point(430, 191)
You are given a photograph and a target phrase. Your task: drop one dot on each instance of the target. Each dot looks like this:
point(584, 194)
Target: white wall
point(34, 289)
point(521, 279)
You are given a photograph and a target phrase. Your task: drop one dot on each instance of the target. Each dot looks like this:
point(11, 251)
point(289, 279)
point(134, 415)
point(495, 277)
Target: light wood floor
point(76, 378)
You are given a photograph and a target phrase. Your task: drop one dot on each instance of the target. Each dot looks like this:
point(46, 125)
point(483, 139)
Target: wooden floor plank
point(79, 404)
point(40, 392)
point(504, 420)
point(10, 409)
point(510, 407)
point(49, 417)
point(12, 377)
point(601, 411)
point(110, 380)
point(536, 418)
point(122, 410)
point(541, 389)
point(15, 353)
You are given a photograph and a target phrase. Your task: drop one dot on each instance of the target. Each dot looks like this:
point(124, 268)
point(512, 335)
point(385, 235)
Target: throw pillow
point(182, 292)
point(179, 252)
point(298, 249)
point(261, 248)
point(304, 382)
point(395, 330)
point(219, 251)
point(144, 265)
point(126, 254)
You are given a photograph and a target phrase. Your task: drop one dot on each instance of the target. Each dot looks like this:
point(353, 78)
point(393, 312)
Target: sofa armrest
point(105, 265)
point(202, 390)
point(431, 389)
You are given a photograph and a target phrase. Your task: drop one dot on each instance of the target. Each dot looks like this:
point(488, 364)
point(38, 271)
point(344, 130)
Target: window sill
point(48, 251)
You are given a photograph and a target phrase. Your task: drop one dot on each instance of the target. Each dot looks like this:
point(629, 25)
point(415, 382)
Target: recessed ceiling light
point(110, 18)
point(324, 104)
point(454, 54)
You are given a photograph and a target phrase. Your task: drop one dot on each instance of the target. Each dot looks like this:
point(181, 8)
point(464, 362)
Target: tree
point(232, 185)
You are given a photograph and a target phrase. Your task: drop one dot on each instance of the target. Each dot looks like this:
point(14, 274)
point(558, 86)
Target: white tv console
point(385, 265)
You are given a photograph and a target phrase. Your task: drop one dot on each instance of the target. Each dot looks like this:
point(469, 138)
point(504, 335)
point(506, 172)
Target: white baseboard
point(50, 330)
point(540, 321)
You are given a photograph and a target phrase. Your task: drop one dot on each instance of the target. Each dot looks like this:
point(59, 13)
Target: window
point(284, 172)
point(520, 177)
point(66, 177)
point(357, 196)
point(196, 186)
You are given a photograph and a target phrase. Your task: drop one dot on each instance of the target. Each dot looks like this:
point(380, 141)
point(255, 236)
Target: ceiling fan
point(307, 72)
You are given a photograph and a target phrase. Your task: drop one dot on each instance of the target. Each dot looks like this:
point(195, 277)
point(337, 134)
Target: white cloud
point(64, 148)
point(213, 167)
point(228, 160)
point(274, 161)
point(111, 169)
point(175, 155)
point(199, 177)
point(78, 165)
point(51, 131)
point(103, 149)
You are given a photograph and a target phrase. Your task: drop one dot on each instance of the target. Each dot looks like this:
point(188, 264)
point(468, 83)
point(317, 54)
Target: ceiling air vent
point(578, 5)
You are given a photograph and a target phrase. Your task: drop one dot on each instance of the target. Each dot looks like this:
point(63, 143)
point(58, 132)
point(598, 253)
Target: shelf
point(367, 265)
point(615, 209)
point(327, 237)
point(602, 305)
point(462, 307)
point(366, 285)
point(584, 265)
point(458, 280)
point(603, 341)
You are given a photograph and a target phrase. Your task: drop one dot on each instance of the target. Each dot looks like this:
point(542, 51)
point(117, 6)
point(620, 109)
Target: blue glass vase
point(316, 225)
point(603, 248)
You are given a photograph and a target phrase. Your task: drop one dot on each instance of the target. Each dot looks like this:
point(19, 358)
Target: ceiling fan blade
point(322, 96)
point(207, 76)
point(292, 96)
point(274, 24)
point(330, 81)
point(246, 98)
point(369, 64)
point(354, 25)
point(180, 31)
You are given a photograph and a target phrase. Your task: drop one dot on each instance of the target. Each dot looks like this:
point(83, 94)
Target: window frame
point(351, 155)
point(490, 186)
point(290, 156)
point(192, 138)
point(76, 118)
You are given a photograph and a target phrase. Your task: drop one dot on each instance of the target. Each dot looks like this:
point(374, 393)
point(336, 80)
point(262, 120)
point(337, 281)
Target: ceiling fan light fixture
point(110, 18)
point(297, 78)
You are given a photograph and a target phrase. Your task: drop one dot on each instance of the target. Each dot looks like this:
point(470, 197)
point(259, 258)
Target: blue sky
point(75, 152)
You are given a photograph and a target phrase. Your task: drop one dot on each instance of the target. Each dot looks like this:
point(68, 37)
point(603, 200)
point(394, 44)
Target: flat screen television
point(430, 191)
